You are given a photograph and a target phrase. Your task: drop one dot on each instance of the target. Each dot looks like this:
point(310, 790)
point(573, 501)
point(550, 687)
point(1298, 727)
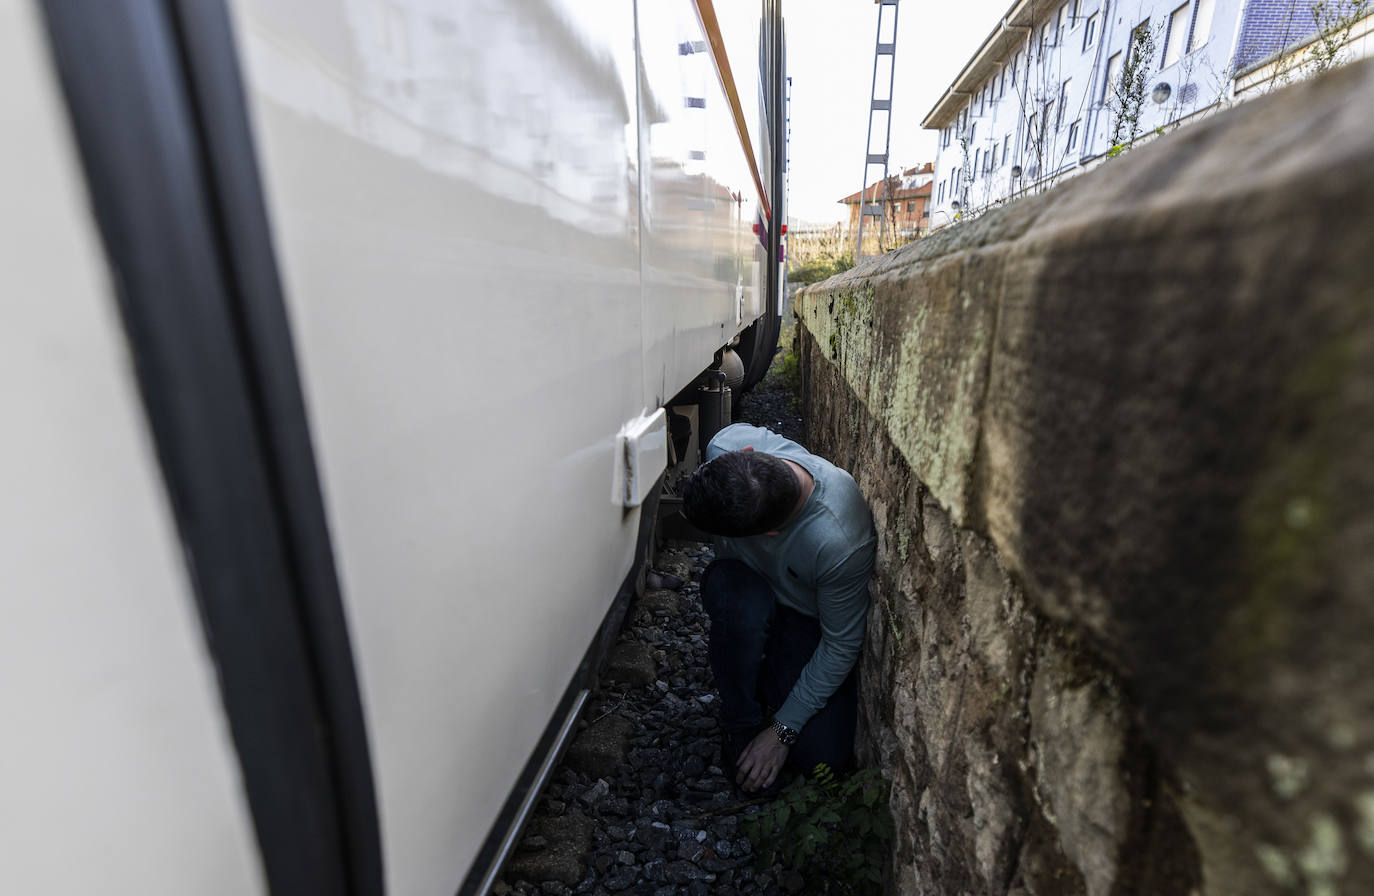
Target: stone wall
point(1119, 443)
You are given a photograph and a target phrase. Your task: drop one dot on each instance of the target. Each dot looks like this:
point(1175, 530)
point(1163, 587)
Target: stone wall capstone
point(1118, 440)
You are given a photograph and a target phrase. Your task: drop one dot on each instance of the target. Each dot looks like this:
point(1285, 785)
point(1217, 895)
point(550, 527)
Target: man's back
point(831, 536)
point(818, 564)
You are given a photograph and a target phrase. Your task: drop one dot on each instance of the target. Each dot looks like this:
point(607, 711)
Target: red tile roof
point(898, 186)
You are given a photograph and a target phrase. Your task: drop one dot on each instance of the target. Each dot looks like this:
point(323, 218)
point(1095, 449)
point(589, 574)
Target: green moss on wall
point(1288, 521)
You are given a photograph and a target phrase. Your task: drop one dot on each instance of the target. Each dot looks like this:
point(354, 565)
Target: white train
point(321, 319)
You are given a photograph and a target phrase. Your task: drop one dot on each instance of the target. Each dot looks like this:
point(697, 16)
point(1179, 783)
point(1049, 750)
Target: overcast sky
point(830, 59)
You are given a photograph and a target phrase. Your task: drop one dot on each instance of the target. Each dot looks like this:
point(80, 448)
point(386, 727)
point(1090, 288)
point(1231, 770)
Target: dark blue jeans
point(758, 648)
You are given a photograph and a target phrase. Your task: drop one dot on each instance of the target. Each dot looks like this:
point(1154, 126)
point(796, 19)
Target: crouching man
point(787, 596)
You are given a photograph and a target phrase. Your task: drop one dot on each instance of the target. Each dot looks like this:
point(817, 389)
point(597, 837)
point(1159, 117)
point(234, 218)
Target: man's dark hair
point(740, 493)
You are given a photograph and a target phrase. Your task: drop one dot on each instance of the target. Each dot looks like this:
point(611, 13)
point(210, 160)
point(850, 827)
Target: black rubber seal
point(156, 104)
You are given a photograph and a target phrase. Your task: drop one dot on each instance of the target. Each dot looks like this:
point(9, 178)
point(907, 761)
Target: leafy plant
point(965, 168)
point(1334, 20)
point(814, 257)
point(786, 368)
point(820, 268)
point(1126, 99)
point(834, 832)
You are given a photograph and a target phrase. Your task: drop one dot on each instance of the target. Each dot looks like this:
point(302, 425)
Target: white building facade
point(1035, 103)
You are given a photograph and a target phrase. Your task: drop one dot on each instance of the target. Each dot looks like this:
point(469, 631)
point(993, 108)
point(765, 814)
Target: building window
point(1063, 102)
point(1015, 64)
point(1030, 133)
point(910, 207)
point(976, 154)
point(1073, 135)
point(1006, 148)
point(1175, 40)
point(1090, 33)
point(1202, 24)
point(1111, 88)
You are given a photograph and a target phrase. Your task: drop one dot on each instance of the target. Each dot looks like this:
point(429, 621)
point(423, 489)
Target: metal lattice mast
point(878, 104)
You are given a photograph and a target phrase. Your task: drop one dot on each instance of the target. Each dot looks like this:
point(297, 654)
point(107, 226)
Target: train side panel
point(489, 273)
point(703, 262)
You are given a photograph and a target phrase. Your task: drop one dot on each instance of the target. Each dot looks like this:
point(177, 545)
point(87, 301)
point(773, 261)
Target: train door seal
point(157, 108)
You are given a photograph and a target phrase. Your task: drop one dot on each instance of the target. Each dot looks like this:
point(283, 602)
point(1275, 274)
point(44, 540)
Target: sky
point(830, 61)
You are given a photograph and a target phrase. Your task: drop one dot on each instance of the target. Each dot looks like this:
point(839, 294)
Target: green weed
point(834, 832)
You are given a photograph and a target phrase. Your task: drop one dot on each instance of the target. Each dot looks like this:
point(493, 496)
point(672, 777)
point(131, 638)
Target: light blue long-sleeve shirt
point(818, 564)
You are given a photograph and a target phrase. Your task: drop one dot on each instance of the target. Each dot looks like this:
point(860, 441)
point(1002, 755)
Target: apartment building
point(904, 203)
point(1036, 102)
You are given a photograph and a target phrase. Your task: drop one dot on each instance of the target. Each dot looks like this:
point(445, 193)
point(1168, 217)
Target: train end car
point(349, 346)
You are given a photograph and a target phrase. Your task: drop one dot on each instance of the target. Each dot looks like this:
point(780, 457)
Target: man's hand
point(761, 761)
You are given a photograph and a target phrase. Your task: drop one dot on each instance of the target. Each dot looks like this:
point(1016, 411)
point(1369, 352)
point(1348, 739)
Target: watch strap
point(788, 736)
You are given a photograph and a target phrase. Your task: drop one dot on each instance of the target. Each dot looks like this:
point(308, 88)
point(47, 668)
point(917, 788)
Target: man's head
point(740, 493)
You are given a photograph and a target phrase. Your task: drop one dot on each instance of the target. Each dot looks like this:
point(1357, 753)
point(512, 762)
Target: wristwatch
point(788, 736)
